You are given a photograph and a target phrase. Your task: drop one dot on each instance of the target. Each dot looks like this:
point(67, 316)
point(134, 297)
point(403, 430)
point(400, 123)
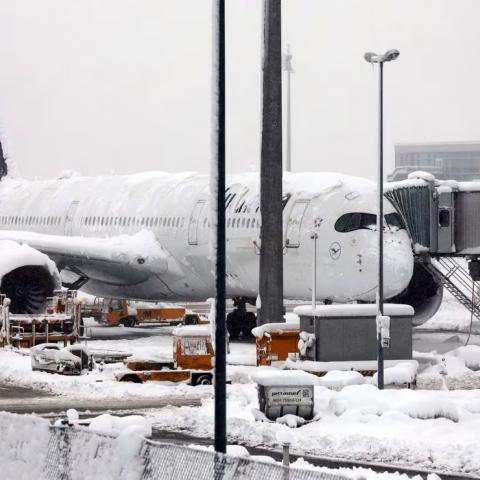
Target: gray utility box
point(282, 392)
point(349, 332)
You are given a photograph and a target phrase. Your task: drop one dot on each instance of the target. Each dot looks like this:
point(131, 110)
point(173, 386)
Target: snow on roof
point(428, 177)
point(353, 310)
point(260, 331)
point(413, 182)
point(193, 331)
point(469, 186)
point(269, 377)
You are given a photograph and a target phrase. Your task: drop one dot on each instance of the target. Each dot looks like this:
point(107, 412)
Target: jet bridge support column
point(271, 232)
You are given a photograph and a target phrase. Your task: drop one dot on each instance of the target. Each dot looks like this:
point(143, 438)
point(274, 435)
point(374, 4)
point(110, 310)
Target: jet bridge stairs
point(443, 219)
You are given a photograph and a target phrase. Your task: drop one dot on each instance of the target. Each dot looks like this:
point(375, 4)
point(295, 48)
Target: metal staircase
point(456, 279)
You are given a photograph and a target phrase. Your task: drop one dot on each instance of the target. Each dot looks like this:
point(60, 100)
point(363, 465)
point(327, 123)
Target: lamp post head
point(388, 56)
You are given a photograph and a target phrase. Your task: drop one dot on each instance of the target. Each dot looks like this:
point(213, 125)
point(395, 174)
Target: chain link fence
point(30, 448)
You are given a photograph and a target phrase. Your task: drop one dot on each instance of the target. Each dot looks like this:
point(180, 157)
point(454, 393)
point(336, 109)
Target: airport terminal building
point(452, 160)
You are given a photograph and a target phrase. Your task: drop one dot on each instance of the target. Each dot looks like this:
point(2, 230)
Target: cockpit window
point(394, 221)
point(350, 222)
point(355, 221)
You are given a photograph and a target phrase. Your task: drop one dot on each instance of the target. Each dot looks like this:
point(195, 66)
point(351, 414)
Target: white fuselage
point(176, 208)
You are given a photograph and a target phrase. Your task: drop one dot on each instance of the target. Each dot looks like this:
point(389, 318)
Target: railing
point(457, 280)
point(30, 448)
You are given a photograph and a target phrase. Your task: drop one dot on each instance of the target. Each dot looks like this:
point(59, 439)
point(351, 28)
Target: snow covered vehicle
point(193, 359)
point(71, 360)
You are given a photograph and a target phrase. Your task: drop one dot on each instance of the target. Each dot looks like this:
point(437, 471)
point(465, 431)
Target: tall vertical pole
point(271, 232)
point(380, 223)
point(314, 271)
point(288, 140)
point(218, 188)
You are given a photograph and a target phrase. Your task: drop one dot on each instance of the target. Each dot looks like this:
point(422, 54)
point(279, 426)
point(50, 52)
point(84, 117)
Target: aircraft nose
point(397, 266)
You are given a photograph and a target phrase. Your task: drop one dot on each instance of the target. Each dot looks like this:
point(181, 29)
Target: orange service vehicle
point(192, 361)
point(121, 311)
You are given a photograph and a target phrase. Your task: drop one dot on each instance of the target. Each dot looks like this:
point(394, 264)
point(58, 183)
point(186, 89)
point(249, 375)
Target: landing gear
point(240, 322)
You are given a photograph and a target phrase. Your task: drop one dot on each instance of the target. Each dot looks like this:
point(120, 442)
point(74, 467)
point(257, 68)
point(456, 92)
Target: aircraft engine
point(27, 277)
point(424, 293)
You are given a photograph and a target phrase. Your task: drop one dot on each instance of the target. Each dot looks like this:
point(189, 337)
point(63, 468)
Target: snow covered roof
point(269, 377)
point(350, 310)
point(193, 331)
point(273, 328)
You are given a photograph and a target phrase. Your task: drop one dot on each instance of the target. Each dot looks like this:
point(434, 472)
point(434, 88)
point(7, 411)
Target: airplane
point(146, 237)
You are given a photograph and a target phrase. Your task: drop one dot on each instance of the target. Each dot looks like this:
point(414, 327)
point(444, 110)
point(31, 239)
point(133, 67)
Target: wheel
point(203, 380)
point(131, 378)
point(233, 325)
point(129, 322)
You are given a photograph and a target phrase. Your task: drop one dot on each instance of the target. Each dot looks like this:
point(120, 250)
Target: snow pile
point(427, 409)
point(337, 379)
point(400, 374)
point(470, 356)
point(23, 446)
point(269, 377)
point(110, 424)
point(428, 429)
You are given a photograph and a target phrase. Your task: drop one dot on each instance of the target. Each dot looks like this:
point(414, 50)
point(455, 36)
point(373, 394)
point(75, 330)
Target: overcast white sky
point(122, 86)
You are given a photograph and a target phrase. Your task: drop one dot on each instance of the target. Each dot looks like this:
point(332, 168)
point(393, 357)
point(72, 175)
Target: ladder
point(456, 279)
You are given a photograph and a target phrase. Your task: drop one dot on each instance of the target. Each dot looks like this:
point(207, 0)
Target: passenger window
point(350, 222)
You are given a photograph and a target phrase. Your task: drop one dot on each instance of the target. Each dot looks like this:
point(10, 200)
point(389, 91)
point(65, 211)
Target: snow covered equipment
point(285, 392)
point(193, 360)
point(71, 360)
point(348, 333)
point(275, 342)
point(60, 323)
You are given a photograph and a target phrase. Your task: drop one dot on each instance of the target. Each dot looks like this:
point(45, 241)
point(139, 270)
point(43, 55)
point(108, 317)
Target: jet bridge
point(443, 219)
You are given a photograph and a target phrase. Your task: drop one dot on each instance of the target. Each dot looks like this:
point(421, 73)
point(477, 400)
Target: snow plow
point(71, 360)
point(192, 362)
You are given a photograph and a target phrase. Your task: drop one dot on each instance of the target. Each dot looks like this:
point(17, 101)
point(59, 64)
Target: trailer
point(193, 359)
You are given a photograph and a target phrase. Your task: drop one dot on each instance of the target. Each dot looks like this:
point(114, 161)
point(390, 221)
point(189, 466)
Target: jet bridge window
point(350, 222)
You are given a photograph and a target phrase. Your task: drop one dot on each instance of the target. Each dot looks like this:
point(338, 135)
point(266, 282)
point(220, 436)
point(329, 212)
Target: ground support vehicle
point(71, 360)
point(192, 362)
point(120, 311)
point(276, 342)
point(60, 323)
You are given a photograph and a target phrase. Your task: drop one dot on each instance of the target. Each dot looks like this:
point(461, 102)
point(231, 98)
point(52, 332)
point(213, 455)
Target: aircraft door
point(68, 230)
point(295, 222)
point(193, 223)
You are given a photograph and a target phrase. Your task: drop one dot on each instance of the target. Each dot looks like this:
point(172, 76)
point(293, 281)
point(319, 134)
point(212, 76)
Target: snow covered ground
point(431, 427)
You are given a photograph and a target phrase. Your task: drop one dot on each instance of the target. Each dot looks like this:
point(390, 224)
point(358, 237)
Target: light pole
point(314, 237)
point(287, 67)
point(371, 57)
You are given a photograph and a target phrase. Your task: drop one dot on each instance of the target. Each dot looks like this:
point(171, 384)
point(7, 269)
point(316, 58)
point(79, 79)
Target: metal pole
point(286, 455)
point(380, 224)
point(271, 170)
point(220, 326)
point(314, 271)
point(288, 68)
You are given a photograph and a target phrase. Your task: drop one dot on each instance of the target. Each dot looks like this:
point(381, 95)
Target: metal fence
point(36, 450)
